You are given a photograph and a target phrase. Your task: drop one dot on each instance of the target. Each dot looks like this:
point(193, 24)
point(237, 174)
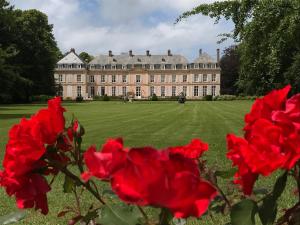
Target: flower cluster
point(168, 178)
point(25, 157)
point(271, 140)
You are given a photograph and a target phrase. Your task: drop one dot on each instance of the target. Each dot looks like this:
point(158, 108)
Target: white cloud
point(120, 26)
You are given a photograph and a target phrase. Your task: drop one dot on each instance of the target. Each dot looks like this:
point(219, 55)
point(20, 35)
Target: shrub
point(105, 98)
point(79, 99)
point(97, 98)
point(4, 99)
point(154, 97)
point(208, 98)
point(41, 98)
point(181, 98)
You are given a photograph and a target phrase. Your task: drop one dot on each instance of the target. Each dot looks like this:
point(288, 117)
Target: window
point(78, 78)
point(204, 77)
point(138, 91)
point(162, 78)
point(151, 90)
point(92, 92)
point(124, 91)
point(113, 91)
point(196, 77)
point(213, 77)
point(162, 91)
point(102, 91)
point(173, 90)
point(201, 65)
point(204, 90)
point(184, 90)
point(173, 78)
point(60, 90)
point(92, 79)
point(168, 66)
point(151, 78)
point(184, 78)
point(78, 91)
point(113, 78)
point(209, 65)
point(156, 66)
point(60, 77)
point(196, 90)
point(102, 78)
point(138, 78)
point(124, 78)
point(213, 90)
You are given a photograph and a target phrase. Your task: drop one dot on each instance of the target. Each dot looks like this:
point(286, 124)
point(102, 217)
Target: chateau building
point(139, 75)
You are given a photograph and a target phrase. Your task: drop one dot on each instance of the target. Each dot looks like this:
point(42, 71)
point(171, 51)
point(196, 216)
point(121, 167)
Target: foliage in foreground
point(175, 180)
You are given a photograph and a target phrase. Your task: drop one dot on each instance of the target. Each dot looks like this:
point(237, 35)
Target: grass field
point(158, 124)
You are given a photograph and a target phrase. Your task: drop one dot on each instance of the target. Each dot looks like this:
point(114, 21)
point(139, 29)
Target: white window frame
point(196, 91)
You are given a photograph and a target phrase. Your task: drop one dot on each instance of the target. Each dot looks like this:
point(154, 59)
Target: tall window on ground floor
point(151, 90)
point(138, 91)
point(204, 90)
point(102, 92)
point(184, 90)
point(78, 91)
point(60, 77)
point(113, 91)
point(124, 91)
point(60, 90)
point(163, 91)
point(213, 90)
point(92, 92)
point(173, 90)
point(196, 90)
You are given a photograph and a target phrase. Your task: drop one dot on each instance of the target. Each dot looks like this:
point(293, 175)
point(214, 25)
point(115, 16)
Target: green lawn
point(158, 124)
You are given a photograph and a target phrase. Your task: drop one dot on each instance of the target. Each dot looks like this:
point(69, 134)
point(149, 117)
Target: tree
point(28, 54)
point(86, 57)
point(229, 64)
point(268, 32)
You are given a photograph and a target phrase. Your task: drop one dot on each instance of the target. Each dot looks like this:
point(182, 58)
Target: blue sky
point(96, 26)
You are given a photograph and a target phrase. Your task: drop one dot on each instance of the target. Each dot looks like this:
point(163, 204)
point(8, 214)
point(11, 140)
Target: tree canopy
point(268, 33)
point(86, 57)
point(28, 54)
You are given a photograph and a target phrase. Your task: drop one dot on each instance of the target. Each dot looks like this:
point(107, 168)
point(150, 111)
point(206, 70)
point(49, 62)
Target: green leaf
point(12, 217)
point(119, 215)
point(90, 216)
point(268, 210)
point(68, 184)
point(225, 174)
point(243, 213)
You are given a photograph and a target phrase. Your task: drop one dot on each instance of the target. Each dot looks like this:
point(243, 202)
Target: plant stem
point(144, 214)
point(77, 180)
point(223, 195)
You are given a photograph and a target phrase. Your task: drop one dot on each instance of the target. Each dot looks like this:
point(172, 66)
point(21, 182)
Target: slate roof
point(125, 59)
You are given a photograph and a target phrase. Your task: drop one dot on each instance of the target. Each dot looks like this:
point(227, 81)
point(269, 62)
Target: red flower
point(145, 176)
point(103, 164)
point(30, 190)
point(194, 150)
point(244, 176)
point(263, 107)
point(24, 157)
point(272, 138)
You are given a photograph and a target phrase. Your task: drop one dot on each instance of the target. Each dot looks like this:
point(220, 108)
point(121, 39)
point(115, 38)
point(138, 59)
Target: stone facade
point(139, 75)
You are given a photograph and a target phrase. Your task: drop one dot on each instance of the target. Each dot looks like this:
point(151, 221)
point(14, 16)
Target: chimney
point(72, 50)
point(130, 53)
point(218, 55)
point(200, 51)
point(169, 53)
point(110, 53)
point(147, 53)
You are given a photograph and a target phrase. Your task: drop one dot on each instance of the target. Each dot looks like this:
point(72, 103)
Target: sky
point(97, 26)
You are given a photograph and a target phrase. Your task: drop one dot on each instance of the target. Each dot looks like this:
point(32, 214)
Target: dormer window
point(139, 60)
point(163, 59)
point(168, 66)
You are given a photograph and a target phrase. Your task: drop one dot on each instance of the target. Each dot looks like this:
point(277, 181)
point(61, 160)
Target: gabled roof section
point(71, 58)
point(205, 58)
